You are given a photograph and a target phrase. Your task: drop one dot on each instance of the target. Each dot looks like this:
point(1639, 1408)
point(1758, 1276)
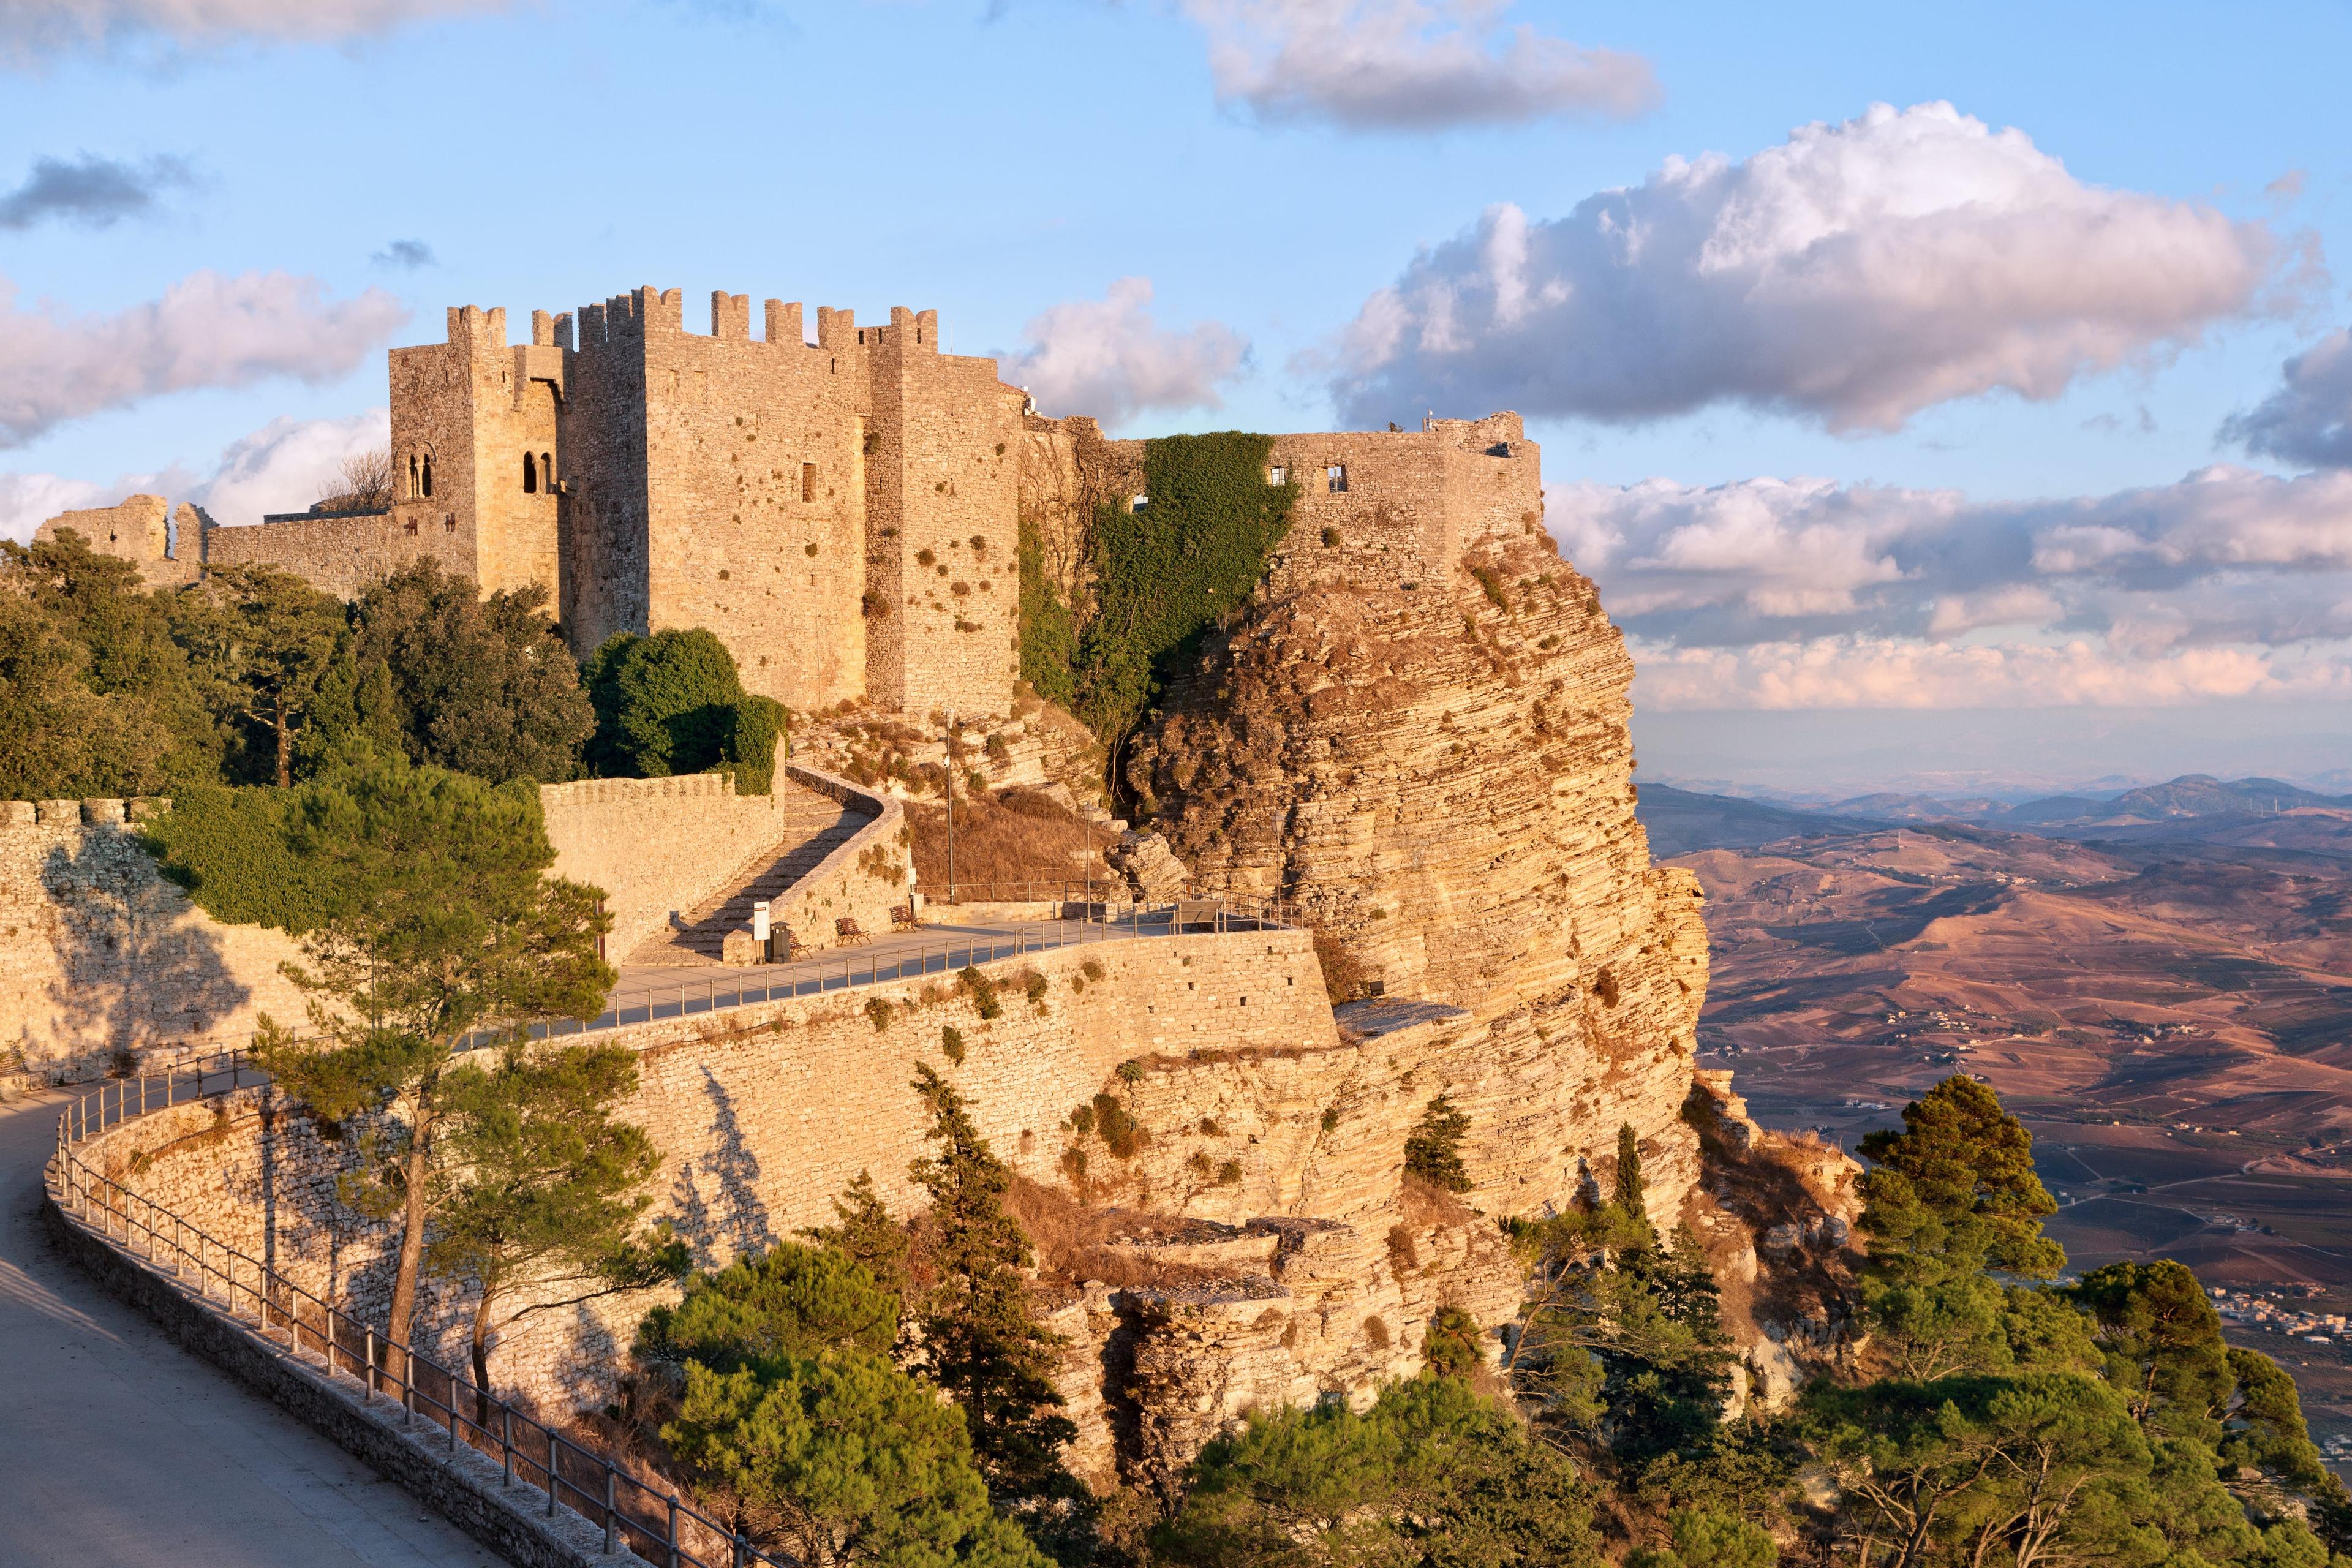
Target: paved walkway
point(647, 992)
point(118, 1447)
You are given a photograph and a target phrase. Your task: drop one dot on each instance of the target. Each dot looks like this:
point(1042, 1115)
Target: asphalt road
point(118, 1447)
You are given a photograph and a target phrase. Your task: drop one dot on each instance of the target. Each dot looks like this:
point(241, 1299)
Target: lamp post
point(948, 742)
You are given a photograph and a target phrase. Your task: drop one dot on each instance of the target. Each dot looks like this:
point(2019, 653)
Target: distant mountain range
point(2193, 806)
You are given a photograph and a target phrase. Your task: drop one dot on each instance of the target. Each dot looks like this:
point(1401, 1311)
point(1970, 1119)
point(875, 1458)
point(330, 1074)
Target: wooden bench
point(845, 931)
point(902, 917)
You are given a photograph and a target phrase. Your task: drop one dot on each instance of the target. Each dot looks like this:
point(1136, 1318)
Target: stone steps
point(814, 826)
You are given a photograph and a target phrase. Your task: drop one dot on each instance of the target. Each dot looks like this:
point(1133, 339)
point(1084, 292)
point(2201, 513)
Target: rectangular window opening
point(1337, 476)
point(1277, 475)
point(808, 481)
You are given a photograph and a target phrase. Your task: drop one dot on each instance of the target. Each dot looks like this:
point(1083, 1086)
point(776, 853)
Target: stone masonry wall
point(99, 954)
point(341, 555)
point(138, 529)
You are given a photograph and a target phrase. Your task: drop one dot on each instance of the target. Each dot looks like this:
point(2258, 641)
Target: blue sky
point(1270, 167)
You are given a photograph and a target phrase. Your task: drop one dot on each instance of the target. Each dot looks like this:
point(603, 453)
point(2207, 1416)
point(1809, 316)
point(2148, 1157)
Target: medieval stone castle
point(843, 513)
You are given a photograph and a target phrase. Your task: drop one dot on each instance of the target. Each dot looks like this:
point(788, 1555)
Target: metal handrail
point(837, 969)
point(272, 1309)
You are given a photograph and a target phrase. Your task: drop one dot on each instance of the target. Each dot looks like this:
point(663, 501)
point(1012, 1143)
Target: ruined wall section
point(941, 548)
point(756, 524)
point(340, 555)
point(99, 954)
point(138, 529)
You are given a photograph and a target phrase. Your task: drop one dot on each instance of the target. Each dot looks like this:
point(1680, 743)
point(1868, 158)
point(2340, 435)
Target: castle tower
point(475, 453)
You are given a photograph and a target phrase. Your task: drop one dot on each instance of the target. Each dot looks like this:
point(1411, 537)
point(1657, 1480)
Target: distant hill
point(1682, 822)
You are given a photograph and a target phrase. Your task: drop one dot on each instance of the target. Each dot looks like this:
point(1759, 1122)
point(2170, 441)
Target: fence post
point(673, 1529)
point(506, 1445)
point(367, 1376)
point(609, 1502)
point(550, 1472)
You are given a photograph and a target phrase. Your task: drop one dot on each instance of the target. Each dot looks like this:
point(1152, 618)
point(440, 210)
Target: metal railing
point(652, 1521)
point(838, 969)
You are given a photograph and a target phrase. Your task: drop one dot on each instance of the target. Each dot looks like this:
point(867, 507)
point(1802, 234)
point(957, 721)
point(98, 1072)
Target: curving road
point(118, 1447)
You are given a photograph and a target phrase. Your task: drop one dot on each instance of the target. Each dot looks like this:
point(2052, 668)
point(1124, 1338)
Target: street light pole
point(948, 742)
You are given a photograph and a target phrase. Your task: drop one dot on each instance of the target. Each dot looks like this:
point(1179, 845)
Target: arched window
point(429, 473)
point(547, 471)
point(413, 492)
point(529, 475)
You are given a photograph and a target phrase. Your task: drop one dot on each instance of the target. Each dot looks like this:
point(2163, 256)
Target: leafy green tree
point(2162, 1342)
point(1432, 1474)
point(1951, 1196)
point(441, 924)
point(260, 642)
point(665, 704)
point(59, 736)
point(75, 612)
point(1432, 1150)
point(481, 686)
point(539, 1186)
point(1706, 1539)
point(981, 1335)
point(843, 1458)
point(789, 1302)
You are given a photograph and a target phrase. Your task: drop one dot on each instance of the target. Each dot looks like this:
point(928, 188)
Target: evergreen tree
point(789, 1302)
point(980, 1334)
point(864, 1230)
point(538, 1186)
point(441, 923)
point(2162, 1341)
point(663, 704)
point(261, 643)
point(1631, 1198)
point(1432, 1151)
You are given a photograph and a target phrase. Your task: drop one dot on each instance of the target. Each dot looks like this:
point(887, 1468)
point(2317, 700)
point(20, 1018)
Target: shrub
point(1403, 1256)
point(1331, 1119)
point(1131, 1071)
point(1376, 1329)
point(1451, 1348)
point(877, 1012)
point(755, 726)
point(1092, 970)
point(982, 990)
point(1229, 1174)
point(1119, 1132)
point(1343, 973)
point(951, 1044)
point(231, 850)
point(1034, 986)
point(665, 704)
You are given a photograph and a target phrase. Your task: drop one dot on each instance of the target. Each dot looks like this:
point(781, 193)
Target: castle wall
point(756, 505)
point(940, 550)
point(341, 555)
point(601, 455)
point(99, 954)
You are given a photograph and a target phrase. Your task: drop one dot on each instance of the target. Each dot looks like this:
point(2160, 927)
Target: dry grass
point(1006, 842)
point(1427, 1204)
point(1074, 1242)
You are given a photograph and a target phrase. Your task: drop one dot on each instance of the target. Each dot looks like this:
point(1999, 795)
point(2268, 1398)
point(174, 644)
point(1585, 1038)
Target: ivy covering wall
point(1165, 573)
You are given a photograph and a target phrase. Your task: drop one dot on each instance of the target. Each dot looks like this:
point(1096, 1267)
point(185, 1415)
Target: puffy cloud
point(1408, 64)
point(1803, 592)
point(2309, 418)
point(282, 467)
point(31, 28)
point(1110, 358)
point(206, 331)
point(91, 191)
point(1855, 274)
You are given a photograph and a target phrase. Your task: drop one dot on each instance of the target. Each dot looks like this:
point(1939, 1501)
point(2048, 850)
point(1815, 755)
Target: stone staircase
point(814, 826)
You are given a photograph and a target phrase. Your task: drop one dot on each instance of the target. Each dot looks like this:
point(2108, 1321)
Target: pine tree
point(983, 1339)
point(864, 1231)
point(1433, 1150)
point(1631, 1198)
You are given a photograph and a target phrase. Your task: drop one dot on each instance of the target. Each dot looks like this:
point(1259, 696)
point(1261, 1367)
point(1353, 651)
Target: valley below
point(2165, 997)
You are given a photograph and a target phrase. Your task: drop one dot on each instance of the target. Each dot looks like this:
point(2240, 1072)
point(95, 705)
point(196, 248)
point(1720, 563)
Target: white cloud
point(1862, 672)
point(1806, 593)
point(1110, 358)
point(1855, 274)
point(282, 467)
point(1408, 64)
point(31, 28)
point(206, 331)
point(2309, 418)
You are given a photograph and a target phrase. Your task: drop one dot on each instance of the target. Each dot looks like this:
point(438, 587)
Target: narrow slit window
point(529, 475)
point(547, 472)
point(808, 481)
point(1335, 476)
point(429, 473)
point(412, 480)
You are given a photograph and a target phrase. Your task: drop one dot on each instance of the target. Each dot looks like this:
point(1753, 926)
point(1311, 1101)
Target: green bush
point(232, 849)
point(1433, 1150)
point(1168, 574)
point(755, 726)
point(983, 990)
point(1049, 638)
point(665, 704)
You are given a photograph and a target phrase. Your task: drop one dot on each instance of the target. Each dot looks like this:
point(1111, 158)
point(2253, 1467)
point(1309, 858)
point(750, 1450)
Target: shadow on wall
point(733, 1221)
point(136, 965)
